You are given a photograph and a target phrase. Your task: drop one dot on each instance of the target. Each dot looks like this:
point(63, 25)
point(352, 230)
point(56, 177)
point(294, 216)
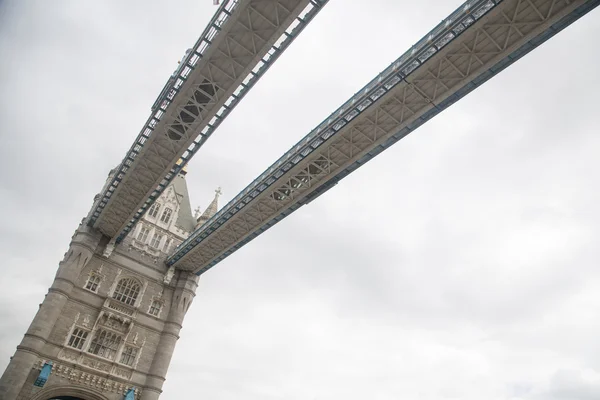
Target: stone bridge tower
point(108, 326)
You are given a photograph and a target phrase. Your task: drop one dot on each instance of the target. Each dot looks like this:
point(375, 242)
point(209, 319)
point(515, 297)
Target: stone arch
point(68, 393)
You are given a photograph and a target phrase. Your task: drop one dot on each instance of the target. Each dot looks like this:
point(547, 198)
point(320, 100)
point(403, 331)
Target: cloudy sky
point(459, 264)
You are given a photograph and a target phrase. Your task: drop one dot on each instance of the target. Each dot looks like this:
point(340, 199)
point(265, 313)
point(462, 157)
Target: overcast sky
point(459, 264)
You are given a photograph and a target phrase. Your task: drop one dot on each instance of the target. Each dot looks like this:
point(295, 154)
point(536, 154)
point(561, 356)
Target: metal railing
point(445, 32)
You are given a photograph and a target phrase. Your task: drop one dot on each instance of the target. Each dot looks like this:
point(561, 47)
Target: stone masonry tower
point(108, 326)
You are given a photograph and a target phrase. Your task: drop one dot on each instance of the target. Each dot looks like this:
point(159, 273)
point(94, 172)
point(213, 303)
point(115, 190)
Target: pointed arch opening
point(127, 291)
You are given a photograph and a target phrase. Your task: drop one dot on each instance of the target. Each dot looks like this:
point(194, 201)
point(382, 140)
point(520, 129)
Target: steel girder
point(241, 42)
point(473, 44)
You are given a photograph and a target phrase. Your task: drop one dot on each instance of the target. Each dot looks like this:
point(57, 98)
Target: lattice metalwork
point(241, 42)
point(473, 44)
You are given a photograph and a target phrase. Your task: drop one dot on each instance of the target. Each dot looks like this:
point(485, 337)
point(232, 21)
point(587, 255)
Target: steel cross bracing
point(473, 44)
point(241, 42)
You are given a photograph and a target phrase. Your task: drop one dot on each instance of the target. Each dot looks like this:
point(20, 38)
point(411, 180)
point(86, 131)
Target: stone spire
point(210, 210)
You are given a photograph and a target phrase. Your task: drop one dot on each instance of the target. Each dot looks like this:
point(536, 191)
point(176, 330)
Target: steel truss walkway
point(472, 45)
point(241, 42)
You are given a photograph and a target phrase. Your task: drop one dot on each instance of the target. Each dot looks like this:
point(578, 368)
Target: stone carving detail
point(120, 307)
point(96, 364)
point(78, 376)
point(86, 321)
point(109, 248)
point(68, 355)
point(115, 322)
point(66, 337)
point(114, 285)
point(139, 355)
point(169, 275)
point(143, 253)
point(123, 372)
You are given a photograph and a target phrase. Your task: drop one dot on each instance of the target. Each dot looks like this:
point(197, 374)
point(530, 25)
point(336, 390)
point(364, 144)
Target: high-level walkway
point(240, 43)
point(470, 46)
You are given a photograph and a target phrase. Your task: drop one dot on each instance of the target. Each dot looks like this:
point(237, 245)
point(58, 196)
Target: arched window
point(166, 215)
point(128, 355)
point(143, 235)
point(155, 242)
point(167, 245)
point(93, 282)
point(105, 344)
point(153, 212)
point(155, 308)
point(77, 338)
point(127, 291)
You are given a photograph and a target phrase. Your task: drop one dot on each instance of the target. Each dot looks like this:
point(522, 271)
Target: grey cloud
point(458, 262)
point(569, 384)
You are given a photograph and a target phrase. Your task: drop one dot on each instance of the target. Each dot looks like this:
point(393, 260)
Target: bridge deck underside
point(239, 45)
point(457, 57)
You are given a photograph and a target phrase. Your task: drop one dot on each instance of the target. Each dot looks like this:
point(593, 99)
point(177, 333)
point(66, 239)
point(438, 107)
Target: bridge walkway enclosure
point(473, 44)
point(240, 43)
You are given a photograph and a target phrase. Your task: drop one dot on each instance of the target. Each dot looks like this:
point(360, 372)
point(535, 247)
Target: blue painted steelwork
point(130, 395)
point(441, 35)
point(172, 88)
point(44, 374)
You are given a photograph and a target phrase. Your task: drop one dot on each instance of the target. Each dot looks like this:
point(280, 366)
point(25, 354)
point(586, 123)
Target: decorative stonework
point(122, 372)
point(114, 285)
point(115, 322)
point(69, 355)
point(78, 322)
point(119, 307)
point(94, 338)
point(169, 275)
point(101, 366)
point(66, 338)
point(109, 249)
point(78, 376)
point(94, 280)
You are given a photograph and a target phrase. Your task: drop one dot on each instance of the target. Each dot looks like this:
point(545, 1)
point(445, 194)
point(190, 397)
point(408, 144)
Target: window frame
point(156, 239)
point(158, 309)
point(143, 234)
point(131, 355)
point(169, 214)
point(126, 294)
point(77, 338)
point(105, 344)
point(154, 209)
point(93, 279)
point(167, 245)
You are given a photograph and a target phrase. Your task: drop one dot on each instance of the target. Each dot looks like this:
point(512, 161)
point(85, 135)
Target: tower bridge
point(470, 46)
point(108, 327)
point(240, 43)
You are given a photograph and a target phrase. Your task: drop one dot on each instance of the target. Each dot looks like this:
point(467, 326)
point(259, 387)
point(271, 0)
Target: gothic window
point(156, 240)
point(166, 215)
point(155, 308)
point(105, 344)
point(127, 291)
point(153, 212)
point(128, 355)
point(143, 235)
point(167, 244)
point(77, 338)
point(93, 282)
